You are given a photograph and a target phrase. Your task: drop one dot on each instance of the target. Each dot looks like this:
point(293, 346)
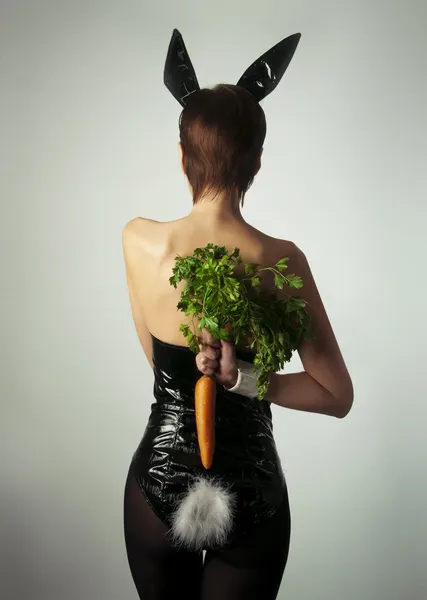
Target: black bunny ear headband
point(260, 79)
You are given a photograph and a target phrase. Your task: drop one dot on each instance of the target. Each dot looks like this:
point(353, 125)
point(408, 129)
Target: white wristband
point(247, 378)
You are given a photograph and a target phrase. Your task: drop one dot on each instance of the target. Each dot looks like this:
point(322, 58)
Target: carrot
point(205, 401)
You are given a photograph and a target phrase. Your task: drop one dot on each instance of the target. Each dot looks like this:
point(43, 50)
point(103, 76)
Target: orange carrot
point(205, 401)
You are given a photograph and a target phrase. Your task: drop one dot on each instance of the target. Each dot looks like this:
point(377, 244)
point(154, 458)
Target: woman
point(238, 513)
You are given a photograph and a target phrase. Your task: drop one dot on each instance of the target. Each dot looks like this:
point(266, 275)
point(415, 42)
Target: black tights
point(251, 569)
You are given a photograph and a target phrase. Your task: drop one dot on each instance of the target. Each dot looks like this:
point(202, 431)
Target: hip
point(246, 474)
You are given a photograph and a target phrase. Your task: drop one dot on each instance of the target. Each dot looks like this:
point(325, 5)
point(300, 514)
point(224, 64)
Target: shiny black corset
point(167, 458)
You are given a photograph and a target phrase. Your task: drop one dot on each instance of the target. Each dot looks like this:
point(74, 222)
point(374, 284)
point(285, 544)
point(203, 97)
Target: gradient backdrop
point(88, 141)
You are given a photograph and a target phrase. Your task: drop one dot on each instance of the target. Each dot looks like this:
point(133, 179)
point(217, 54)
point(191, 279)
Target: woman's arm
point(131, 245)
point(301, 392)
point(325, 385)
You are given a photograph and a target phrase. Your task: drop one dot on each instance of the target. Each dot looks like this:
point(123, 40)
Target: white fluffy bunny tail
point(204, 517)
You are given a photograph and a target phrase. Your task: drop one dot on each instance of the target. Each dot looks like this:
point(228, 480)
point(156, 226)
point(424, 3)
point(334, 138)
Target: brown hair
point(222, 131)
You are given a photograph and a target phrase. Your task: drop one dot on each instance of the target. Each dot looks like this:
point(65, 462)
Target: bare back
point(150, 249)
point(150, 253)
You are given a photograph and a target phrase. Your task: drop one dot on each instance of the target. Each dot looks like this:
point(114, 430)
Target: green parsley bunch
point(223, 300)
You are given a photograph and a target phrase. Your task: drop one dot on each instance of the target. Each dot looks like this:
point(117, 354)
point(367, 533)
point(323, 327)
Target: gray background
point(88, 141)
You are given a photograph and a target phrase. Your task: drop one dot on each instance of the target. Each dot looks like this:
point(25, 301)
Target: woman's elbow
point(344, 403)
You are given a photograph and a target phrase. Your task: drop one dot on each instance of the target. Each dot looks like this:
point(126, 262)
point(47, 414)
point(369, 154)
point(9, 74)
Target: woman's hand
point(217, 359)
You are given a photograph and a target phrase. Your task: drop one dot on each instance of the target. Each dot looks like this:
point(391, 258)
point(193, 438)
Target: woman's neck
point(222, 207)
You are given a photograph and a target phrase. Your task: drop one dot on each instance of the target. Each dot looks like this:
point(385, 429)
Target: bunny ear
point(179, 75)
point(261, 78)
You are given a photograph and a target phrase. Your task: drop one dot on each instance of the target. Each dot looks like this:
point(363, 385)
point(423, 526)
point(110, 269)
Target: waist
point(242, 435)
point(179, 391)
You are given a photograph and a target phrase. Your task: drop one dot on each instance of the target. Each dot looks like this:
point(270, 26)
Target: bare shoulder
point(147, 236)
point(298, 264)
point(279, 248)
point(288, 248)
point(137, 236)
point(136, 229)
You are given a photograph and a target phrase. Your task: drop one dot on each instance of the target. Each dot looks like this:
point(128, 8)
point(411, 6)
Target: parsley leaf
point(224, 301)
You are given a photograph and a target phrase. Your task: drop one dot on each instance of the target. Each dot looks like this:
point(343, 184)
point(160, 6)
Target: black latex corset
point(168, 455)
